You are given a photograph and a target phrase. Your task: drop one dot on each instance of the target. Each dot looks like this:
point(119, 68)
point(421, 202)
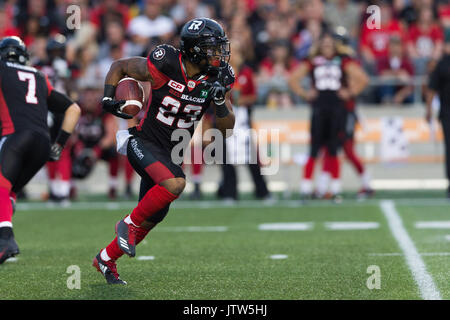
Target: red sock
point(326, 162)
point(51, 170)
point(65, 165)
point(114, 167)
point(154, 200)
point(197, 169)
point(334, 166)
point(309, 168)
point(350, 154)
point(6, 209)
point(113, 249)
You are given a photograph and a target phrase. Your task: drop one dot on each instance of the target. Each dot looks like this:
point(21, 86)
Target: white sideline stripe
point(146, 258)
point(394, 254)
point(278, 256)
point(427, 288)
point(409, 184)
point(447, 237)
point(348, 225)
point(286, 226)
point(194, 229)
point(185, 204)
point(432, 224)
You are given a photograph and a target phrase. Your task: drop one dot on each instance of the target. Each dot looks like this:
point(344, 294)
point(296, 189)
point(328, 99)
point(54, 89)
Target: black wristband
point(222, 111)
point(62, 137)
point(110, 91)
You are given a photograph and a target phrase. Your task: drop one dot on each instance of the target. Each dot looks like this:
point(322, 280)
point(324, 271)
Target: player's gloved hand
point(113, 107)
point(55, 152)
point(217, 91)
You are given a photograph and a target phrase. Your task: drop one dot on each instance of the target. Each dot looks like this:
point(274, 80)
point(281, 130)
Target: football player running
point(185, 82)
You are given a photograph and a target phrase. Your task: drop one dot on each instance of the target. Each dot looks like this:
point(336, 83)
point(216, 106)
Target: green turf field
point(208, 250)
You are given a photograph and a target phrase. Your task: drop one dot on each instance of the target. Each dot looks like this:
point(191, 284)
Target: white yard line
point(146, 258)
point(286, 226)
point(395, 254)
point(278, 256)
point(351, 225)
point(432, 225)
point(427, 288)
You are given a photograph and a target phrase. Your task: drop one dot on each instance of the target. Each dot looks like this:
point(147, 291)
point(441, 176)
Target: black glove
point(217, 91)
point(113, 106)
point(55, 152)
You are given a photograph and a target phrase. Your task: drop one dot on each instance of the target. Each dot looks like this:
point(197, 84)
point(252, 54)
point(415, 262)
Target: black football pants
point(22, 154)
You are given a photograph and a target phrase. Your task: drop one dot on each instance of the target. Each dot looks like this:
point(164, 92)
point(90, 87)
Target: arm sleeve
point(58, 102)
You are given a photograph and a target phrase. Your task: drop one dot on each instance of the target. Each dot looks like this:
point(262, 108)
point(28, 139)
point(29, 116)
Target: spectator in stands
point(444, 14)
point(151, 25)
point(86, 34)
point(7, 27)
point(264, 11)
point(241, 34)
point(344, 16)
point(106, 11)
point(37, 49)
point(425, 41)
point(115, 37)
point(374, 42)
point(396, 72)
point(409, 11)
point(186, 10)
point(89, 70)
point(273, 76)
point(37, 17)
point(115, 52)
point(309, 28)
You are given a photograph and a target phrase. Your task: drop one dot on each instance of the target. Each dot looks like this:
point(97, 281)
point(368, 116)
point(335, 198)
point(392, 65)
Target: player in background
point(329, 70)
point(26, 95)
point(95, 135)
point(185, 82)
point(439, 87)
point(59, 73)
point(243, 98)
point(347, 138)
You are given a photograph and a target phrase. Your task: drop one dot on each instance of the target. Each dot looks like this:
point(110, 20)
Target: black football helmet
point(83, 164)
point(56, 46)
point(13, 49)
point(204, 39)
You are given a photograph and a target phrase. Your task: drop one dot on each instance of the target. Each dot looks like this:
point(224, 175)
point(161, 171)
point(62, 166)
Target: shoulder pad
point(164, 57)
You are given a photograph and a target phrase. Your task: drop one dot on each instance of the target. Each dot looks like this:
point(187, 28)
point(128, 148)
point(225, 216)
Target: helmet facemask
point(214, 52)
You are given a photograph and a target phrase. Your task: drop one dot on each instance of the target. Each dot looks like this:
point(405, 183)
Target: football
point(131, 90)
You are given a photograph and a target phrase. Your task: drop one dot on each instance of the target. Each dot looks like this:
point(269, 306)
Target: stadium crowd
point(272, 36)
point(276, 34)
